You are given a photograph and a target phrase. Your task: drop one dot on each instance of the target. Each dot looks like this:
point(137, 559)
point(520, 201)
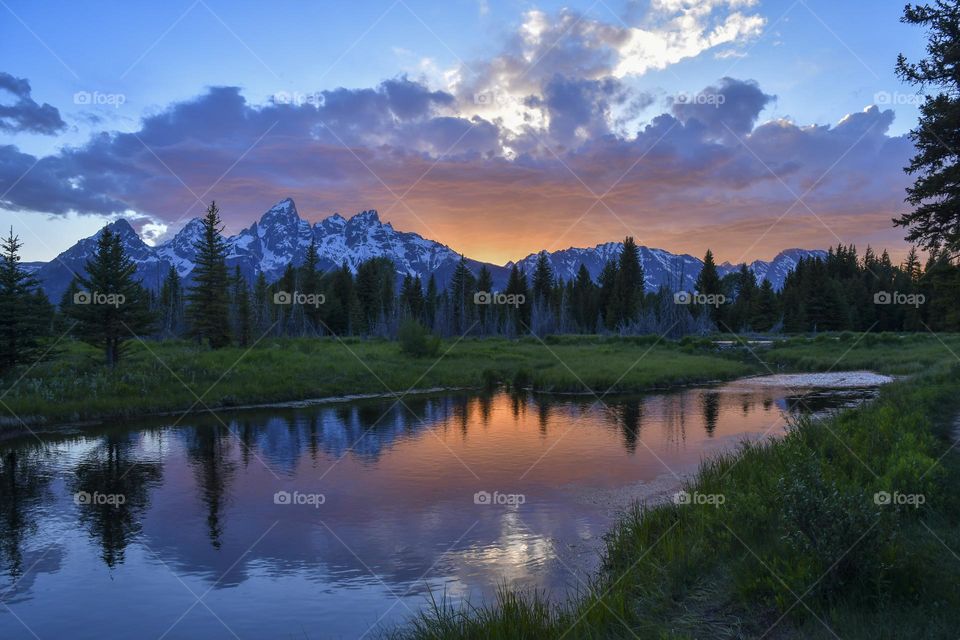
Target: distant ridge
point(281, 236)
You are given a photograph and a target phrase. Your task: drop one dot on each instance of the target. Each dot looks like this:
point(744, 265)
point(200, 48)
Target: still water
point(340, 520)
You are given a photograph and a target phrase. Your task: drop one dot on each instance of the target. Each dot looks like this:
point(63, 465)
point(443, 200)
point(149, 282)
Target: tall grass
point(897, 354)
point(170, 376)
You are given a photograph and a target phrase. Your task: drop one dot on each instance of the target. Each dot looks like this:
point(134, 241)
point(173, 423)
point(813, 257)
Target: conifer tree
point(935, 193)
point(485, 315)
point(627, 295)
point(209, 297)
point(171, 304)
point(24, 310)
point(242, 312)
point(110, 307)
point(708, 283)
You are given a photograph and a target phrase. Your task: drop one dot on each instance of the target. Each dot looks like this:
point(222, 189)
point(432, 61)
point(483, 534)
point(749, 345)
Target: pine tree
point(765, 312)
point(111, 306)
point(624, 304)
point(430, 303)
point(935, 193)
point(485, 285)
point(708, 283)
point(171, 304)
point(310, 279)
point(740, 314)
point(607, 282)
point(23, 315)
point(462, 288)
point(583, 301)
point(911, 266)
point(242, 313)
point(542, 279)
point(518, 317)
point(262, 307)
point(209, 297)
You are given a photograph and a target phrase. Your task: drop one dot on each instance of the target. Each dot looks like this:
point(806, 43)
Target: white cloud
point(685, 36)
point(510, 88)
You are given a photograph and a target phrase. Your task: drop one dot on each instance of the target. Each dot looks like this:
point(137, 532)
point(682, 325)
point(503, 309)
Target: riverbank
point(169, 377)
point(844, 528)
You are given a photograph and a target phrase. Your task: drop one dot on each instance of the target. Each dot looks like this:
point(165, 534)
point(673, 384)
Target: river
point(340, 520)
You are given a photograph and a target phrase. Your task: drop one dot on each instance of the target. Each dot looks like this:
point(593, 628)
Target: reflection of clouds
point(397, 502)
point(515, 555)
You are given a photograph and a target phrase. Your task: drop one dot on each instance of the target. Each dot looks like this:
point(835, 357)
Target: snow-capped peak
point(281, 237)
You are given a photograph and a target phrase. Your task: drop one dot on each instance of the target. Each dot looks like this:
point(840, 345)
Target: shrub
point(416, 341)
point(521, 379)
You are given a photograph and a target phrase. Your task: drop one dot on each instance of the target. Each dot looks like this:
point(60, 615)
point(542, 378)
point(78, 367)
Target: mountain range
point(281, 236)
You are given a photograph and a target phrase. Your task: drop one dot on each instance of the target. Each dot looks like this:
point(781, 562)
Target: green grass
point(167, 376)
point(799, 521)
point(895, 354)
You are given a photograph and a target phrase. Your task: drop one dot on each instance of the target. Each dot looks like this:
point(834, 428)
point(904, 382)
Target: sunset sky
point(497, 127)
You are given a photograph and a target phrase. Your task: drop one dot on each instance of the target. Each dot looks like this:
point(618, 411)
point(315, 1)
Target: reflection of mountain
point(364, 430)
point(399, 501)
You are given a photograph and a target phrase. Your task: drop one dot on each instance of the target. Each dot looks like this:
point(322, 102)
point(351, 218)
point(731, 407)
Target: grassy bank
point(168, 376)
point(896, 354)
point(799, 547)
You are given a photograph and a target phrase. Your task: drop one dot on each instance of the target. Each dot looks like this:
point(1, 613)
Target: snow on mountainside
point(281, 236)
point(777, 269)
point(676, 271)
point(659, 267)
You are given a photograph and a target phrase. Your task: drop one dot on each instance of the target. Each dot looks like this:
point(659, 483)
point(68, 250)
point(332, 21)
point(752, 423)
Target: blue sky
point(821, 60)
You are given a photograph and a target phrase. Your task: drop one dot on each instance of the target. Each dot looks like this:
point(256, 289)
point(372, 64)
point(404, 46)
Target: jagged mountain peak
point(281, 237)
point(285, 210)
point(366, 218)
point(122, 226)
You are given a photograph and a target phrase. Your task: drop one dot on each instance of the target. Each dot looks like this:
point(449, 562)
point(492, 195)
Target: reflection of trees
point(112, 470)
point(24, 483)
point(485, 403)
point(631, 415)
point(710, 403)
point(208, 449)
point(518, 401)
point(543, 414)
point(461, 413)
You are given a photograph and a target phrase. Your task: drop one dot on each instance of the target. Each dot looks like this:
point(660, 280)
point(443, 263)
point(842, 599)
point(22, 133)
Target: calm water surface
point(340, 520)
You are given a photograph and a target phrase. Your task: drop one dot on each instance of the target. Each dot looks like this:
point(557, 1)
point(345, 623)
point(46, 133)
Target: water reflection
point(399, 516)
point(110, 484)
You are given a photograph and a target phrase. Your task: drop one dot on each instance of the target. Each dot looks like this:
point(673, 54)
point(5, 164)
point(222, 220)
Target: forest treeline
point(108, 306)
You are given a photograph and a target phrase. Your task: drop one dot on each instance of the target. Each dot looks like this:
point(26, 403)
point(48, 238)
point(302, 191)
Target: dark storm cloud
point(24, 114)
point(579, 109)
point(353, 149)
point(729, 109)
